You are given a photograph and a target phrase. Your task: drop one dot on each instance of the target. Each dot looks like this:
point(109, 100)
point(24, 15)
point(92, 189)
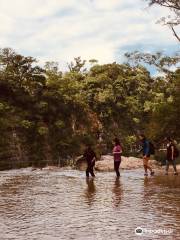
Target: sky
point(59, 30)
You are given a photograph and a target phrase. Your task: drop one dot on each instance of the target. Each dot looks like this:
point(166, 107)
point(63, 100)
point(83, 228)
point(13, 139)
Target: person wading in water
point(117, 150)
point(90, 157)
point(172, 154)
point(146, 154)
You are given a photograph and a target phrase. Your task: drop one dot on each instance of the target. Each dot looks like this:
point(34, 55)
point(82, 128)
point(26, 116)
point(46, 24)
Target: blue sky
point(59, 30)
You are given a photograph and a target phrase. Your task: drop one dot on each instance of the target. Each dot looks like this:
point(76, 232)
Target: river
point(63, 205)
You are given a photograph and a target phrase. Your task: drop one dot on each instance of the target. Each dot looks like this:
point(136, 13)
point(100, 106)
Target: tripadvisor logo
point(138, 231)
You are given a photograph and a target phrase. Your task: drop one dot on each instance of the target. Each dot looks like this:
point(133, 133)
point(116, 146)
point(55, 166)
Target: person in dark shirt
point(90, 157)
point(170, 158)
point(146, 154)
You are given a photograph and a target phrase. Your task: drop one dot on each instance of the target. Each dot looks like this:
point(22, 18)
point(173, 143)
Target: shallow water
point(50, 205)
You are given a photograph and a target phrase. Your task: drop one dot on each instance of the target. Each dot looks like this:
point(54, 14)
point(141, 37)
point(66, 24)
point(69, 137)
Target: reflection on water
point(61, 205)
point(117, 192)
point(90, 191)
point(164, 200)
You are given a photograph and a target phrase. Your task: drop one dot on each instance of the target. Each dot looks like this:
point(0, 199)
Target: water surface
point(60, 205)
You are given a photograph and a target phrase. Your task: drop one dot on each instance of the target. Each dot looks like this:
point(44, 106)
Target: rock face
point(80, 163)
point(107, 163)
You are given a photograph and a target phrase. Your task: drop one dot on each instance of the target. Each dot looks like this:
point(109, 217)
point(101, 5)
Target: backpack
point(176, 152)
point(151, 148)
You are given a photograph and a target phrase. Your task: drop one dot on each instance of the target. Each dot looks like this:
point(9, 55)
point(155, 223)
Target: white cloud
point(62, 29)
point(106, 4)
point(33, 8)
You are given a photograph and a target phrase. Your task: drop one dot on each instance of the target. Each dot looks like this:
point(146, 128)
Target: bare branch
point(175, 34)
point(171, 20)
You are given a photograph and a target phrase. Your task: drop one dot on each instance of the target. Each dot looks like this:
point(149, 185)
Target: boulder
point(107, 163)
point(80, 163)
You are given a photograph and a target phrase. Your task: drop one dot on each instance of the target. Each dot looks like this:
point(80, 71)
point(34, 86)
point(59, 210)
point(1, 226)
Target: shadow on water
point(15, 184)
point(13, 203)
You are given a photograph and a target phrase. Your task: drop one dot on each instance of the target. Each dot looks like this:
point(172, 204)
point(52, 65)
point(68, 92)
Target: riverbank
point(128, 163)
point(106, 164)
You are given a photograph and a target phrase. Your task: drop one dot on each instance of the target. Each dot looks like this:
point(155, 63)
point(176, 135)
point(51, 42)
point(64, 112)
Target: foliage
point(47, 115)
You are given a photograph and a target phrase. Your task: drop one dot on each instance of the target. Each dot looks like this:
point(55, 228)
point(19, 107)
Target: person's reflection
point(117, 193)
point(90, 191)
point(148, 190)
point(146, 182)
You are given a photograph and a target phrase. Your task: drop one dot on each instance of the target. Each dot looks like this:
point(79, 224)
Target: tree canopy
point(47, 114)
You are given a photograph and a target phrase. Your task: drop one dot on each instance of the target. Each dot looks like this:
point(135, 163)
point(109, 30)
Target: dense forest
point(46, 115)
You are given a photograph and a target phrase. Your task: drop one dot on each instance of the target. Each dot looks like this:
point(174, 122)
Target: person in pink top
point(117, 150)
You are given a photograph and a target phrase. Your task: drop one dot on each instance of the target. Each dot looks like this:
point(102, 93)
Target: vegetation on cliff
point(46, 115)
